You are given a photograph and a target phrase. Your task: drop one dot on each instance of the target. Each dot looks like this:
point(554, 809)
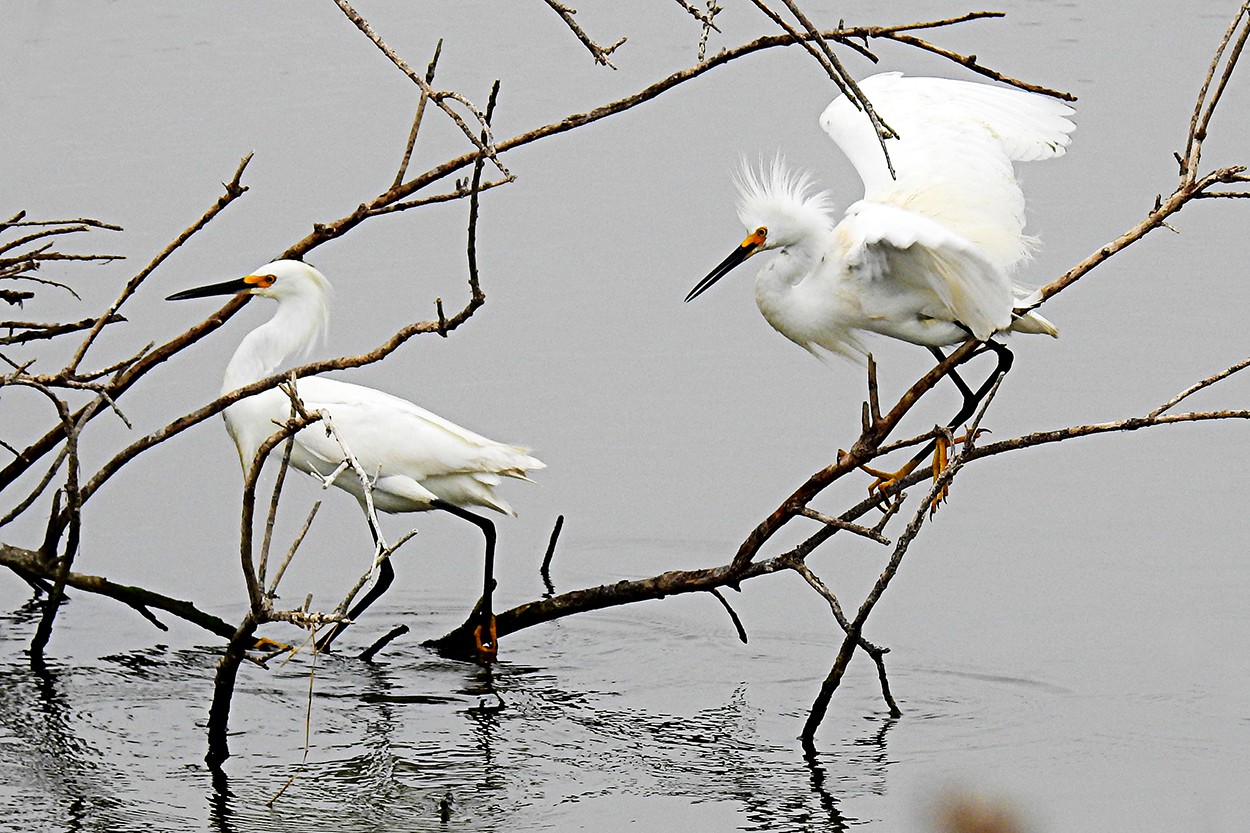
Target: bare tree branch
point(35, 331)
point(870, 534)
point(1204, 106)
point(875, 651)
point(133, 596)
point(439, 98)
point(600, 53)
point(1205, 383)
point(416, 121)
point(234, 190)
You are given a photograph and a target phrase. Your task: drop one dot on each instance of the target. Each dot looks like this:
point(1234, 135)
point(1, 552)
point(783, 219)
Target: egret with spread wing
point(926, 256)
point(416, 460)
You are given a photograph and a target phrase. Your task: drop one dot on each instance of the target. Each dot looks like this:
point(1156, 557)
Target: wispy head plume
point(780, 198)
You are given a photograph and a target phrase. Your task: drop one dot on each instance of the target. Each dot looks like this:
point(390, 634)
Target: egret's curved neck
point(792, 263)
point(293, 328)
point(789, 289)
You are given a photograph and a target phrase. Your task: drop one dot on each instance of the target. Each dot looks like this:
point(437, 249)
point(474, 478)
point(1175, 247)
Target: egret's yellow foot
point(887, 480)
point(941, 457)
point(264, 643)
point(486, 641)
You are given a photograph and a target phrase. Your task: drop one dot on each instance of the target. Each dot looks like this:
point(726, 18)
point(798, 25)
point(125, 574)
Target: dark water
point(88, 745)
point(1068, 637)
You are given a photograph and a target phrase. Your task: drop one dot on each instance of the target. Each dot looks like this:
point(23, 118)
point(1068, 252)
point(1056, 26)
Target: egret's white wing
point(911, 267)
point(952, 160)
point(389, 435)
point(931, 114)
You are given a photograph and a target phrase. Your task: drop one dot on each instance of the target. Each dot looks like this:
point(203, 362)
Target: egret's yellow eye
point(262, 281)
point(756, 238)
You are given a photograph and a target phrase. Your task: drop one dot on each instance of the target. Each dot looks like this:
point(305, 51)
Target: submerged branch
point(134, 596)
point(678, 582)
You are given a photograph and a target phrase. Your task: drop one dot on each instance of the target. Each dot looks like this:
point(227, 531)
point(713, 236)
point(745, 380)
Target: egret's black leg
point(972, 400)
point(386, 574)
point(484, 634)
point(1005, 359)
point(954, 374)
point(40, 585)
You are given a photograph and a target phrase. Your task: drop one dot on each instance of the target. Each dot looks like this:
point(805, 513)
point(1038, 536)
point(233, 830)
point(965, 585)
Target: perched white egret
point(416, 460)
point(925, 256)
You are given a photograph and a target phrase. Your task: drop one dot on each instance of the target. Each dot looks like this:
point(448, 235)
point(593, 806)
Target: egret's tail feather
point(1032, 322)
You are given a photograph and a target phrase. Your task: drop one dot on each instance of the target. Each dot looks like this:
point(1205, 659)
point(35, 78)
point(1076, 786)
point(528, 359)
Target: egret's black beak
point(224, 288)
point(747, 248)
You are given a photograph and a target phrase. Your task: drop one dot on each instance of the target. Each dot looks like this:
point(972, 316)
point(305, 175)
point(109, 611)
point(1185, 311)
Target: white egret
point(926, 255)
point(416, 460)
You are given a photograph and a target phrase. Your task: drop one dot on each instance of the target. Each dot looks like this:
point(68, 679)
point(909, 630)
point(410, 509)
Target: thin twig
point(875, 651)
point(1204, 107)
point(369, 653)
point(259, 601)
point(874, 400)
point(828, 60)
point(272, 516)
point(456, 194)
point(1192, 389)
point(234, 190)
point(545, 569)
point(837, 523)
point(416, 121)
point(290, 553)
point(39, 489)
point(35, 331)
point(42, 234)
point(600, 53)
point(733, 614)
point(439, 99)
point(707, 22)
point(475, 288)
point(855, 628)
point(970, 62)
point(312, 676)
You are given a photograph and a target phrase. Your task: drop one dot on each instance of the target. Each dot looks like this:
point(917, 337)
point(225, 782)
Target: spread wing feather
point(953, 158)
point(933, 271)
point(390, 434)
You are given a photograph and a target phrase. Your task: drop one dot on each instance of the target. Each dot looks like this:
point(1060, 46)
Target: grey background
point(1069, 634)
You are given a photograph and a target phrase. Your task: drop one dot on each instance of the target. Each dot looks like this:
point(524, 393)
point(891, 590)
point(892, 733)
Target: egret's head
point(292, 283)
point(781, 203)
point(281, 280)
point(284, 279)
point(778, 208)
